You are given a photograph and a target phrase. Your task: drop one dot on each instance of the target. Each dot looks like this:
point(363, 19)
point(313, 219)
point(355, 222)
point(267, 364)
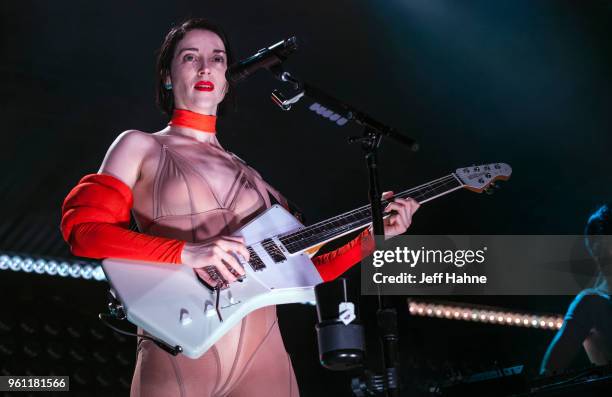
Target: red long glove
point(95, 220)
point(96, 214)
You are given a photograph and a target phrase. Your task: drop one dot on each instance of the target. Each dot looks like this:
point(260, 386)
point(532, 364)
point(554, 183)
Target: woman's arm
point(95, 220)
point(96, 215)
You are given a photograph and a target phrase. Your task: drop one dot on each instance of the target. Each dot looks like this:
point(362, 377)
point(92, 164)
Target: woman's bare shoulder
point(135, 138)
point(126, 154)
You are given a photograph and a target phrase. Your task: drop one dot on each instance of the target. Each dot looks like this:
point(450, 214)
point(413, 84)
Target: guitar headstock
point(479, 178)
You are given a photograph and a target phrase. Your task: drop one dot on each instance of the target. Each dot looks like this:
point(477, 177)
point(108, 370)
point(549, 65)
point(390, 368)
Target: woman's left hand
point(401, 218)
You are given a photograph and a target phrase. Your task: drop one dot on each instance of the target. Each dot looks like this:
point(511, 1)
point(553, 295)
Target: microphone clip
point(283, 102)
point(278, 97)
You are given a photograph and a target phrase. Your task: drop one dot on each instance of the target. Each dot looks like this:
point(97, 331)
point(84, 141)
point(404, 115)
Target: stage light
point(39, 266)
point(80, 269)
point(27, 265)
point(75, 270)
point(86, 272)
point(15, 263)
point(51, 268)
point(63, 270)
point(465, 312)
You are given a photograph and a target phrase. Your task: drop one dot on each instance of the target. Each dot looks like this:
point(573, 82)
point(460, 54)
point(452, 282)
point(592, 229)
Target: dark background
point(522, 82)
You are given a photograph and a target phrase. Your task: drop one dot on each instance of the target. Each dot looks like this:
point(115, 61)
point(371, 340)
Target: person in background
point(588, 321)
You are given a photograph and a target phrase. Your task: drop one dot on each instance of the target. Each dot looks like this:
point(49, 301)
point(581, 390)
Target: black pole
point(373, 134)
point(370, 146)
point(387, 325)
point(386, 316)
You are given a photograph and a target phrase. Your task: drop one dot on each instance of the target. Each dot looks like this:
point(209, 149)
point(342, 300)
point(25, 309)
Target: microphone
point(265, 58)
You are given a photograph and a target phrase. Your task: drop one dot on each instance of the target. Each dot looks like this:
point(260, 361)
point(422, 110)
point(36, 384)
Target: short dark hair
point(164, 97)
point(599, 223)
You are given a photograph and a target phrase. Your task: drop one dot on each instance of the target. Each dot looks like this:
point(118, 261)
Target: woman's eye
point(219, 59)
point(189, 58)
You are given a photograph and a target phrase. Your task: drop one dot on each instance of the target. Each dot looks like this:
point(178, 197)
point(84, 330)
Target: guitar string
point(323, 237)
point(328, 235)
point(364, 213)
point(331, 233)
point(440, 181)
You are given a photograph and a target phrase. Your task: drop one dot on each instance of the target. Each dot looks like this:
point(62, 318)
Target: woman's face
point(197, 72)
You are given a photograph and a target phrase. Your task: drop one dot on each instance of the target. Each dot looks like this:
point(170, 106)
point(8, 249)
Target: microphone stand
point(373, 132)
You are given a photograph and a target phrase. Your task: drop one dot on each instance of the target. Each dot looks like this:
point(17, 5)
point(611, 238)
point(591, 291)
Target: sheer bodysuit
point(181, 200)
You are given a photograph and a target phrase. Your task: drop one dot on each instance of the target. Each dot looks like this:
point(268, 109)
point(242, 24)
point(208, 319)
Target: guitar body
point(171, 303)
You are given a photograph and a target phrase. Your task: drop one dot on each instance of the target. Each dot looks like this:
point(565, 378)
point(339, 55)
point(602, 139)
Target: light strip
point(482, 314)
point(75, 269)
point(328, 114)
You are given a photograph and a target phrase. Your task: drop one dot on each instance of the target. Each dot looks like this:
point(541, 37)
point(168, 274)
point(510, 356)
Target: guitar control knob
point(476, 169)
point(209, 309)
point(185, 317)
point(481, 180)
point(497, 166)
point(487, 168)
point(488, 174)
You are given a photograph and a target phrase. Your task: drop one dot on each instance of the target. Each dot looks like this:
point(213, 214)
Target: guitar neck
point(330, 229)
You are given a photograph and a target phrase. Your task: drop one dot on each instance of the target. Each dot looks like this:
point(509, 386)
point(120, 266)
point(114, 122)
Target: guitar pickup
point(272, 249)
point(255, 261)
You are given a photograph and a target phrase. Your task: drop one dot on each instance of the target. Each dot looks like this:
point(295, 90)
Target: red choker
point(197, 121)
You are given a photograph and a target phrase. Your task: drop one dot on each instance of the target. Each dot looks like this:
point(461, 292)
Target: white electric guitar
point(170, 301)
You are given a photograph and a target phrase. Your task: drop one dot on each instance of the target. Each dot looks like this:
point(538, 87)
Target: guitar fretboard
point(329, 229)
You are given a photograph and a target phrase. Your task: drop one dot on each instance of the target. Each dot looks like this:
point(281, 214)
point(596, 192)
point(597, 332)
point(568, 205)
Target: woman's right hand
point(218, 253)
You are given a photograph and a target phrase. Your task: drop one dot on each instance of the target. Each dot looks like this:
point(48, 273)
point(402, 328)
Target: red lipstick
point(204, 86)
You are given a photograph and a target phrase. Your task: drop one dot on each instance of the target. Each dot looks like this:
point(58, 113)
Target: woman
point(188, 195)
point(588, 321)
